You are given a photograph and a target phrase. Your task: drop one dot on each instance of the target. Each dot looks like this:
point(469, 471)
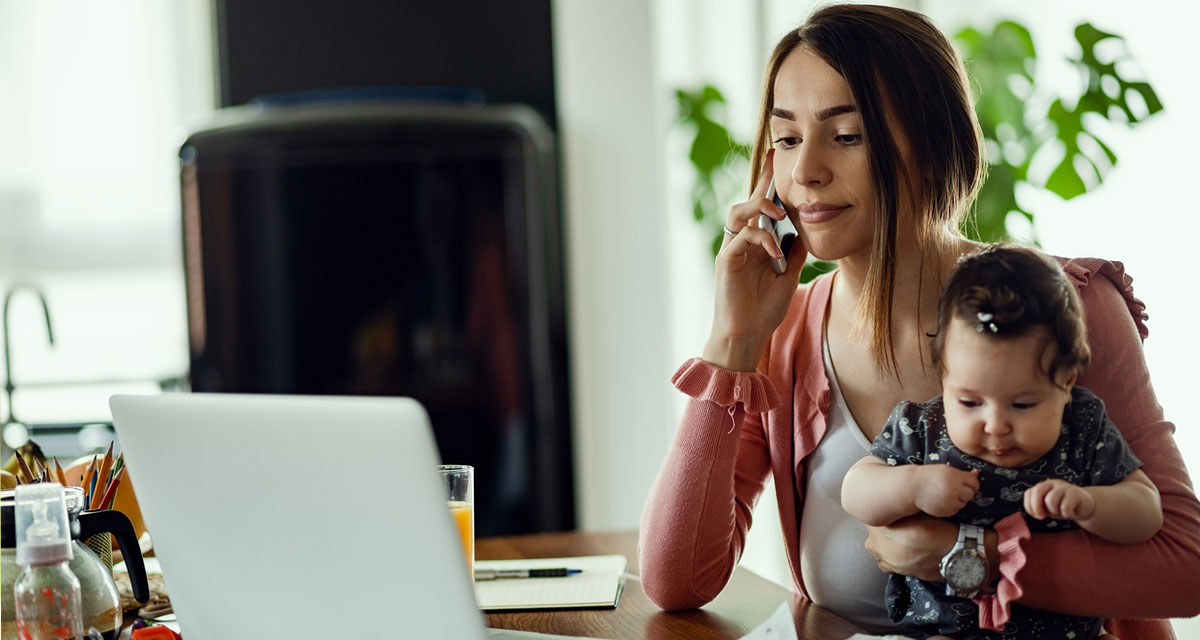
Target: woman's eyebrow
point(823, 114)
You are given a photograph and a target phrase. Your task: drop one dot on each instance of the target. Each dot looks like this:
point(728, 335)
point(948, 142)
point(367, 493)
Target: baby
point(1010, 430)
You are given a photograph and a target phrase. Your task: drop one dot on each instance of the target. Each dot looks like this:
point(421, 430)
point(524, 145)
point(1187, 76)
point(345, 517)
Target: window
point(97, 99)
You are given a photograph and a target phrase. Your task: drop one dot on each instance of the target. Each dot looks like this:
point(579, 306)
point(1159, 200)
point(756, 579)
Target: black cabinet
point(391, 248)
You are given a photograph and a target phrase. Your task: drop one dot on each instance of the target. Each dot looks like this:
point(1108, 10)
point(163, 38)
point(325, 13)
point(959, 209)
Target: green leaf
point(815, 268)
point(710, 146)
point(1088, 36)
point(1065, 181)
point(1153, 104)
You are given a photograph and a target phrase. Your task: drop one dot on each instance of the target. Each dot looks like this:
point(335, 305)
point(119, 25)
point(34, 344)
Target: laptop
point(297, 516)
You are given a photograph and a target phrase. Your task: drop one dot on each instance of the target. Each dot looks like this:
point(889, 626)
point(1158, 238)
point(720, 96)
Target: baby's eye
point(1024, 405)
point(970, 404)
point(787, 142)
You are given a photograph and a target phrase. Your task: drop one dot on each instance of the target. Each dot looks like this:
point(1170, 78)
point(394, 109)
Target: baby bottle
point(48, 604)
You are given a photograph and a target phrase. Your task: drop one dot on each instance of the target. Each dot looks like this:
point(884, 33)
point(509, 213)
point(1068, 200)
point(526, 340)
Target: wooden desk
point(746, 602)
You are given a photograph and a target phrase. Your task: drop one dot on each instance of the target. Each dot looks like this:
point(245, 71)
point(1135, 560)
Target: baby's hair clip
point(985, 320)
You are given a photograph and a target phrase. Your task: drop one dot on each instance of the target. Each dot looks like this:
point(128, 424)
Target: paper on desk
point(779, 626)
point(599, 586)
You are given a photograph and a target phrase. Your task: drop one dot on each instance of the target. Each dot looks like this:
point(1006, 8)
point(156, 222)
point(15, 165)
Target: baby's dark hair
point(1006, 291)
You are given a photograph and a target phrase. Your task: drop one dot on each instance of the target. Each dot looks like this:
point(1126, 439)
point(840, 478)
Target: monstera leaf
point(1001, 64)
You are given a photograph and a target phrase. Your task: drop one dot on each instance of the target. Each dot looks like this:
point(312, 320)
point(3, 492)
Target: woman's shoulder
point(1104, 287)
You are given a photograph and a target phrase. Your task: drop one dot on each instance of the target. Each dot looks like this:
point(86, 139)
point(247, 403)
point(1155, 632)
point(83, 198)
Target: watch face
point(966, 571)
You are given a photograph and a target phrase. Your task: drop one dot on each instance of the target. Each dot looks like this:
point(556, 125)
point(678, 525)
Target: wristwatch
point(965, 568)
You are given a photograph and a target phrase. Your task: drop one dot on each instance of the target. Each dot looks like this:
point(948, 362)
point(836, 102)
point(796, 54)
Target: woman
point(868, 134)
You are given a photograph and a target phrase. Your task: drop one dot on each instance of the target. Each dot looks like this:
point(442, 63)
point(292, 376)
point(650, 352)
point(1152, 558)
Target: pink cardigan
point(737, 429)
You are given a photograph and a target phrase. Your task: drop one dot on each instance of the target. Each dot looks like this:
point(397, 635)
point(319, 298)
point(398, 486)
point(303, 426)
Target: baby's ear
point(1070, 379)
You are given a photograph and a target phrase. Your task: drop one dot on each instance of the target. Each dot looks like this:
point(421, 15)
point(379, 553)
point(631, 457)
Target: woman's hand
point(914, 546)
point(751, 299)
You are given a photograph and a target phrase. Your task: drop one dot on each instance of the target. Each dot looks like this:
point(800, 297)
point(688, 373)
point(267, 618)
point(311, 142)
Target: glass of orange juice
point(460, 487)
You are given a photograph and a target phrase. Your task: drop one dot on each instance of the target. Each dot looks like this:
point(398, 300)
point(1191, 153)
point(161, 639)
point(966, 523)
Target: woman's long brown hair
point(896, 63)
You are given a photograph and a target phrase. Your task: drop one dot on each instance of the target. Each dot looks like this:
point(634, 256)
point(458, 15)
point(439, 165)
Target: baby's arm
point(878, 494)
point(1126, 513)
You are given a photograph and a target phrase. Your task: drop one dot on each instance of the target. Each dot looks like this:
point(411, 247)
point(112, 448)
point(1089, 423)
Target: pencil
point(102, 478)
point(58, 472)
point(108, 461)
point(117, 466)
point(86, 482)
point(110, 494)
point(23, 468)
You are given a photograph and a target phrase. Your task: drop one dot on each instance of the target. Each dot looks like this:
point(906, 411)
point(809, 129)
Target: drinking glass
point(460, 487)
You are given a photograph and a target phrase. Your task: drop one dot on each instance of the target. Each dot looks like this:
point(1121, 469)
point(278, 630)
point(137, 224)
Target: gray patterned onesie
point(1089, 451)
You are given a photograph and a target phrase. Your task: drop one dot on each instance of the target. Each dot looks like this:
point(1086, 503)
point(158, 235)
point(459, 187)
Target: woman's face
point(821, 163)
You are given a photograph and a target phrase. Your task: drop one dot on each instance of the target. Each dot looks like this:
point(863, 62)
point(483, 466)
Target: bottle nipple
point(43, 533)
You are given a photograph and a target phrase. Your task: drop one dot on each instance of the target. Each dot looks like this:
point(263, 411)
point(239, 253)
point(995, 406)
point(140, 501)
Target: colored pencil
point(23, 468)
point(58, 473)
point(117, 466)
point(110, 494)
point(101, 479)
point(87, 479)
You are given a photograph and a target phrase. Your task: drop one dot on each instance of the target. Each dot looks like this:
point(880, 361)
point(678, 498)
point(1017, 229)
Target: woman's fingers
point(746, 213)
point(750, 236)
point(764, 178)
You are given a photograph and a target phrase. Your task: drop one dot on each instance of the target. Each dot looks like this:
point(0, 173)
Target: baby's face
point(1000, 404)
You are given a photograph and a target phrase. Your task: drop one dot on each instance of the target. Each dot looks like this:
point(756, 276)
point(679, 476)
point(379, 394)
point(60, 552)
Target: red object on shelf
point(157, 632)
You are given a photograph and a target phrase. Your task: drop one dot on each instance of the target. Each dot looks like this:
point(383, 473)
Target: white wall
point(612, 113)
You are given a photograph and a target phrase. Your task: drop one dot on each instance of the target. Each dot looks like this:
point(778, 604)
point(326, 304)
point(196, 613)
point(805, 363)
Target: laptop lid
point(280, 516)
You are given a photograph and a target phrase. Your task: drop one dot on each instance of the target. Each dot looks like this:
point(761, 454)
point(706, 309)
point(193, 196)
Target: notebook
point(297, 517)
point(598, 586)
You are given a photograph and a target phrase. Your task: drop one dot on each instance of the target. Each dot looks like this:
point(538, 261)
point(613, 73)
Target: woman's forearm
point(1128, 512)
point(695, 520)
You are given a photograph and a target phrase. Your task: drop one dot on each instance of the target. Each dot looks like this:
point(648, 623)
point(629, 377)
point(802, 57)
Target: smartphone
point(783, 231)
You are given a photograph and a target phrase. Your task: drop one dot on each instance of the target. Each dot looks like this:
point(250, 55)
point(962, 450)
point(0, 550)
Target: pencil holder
point(101, 545)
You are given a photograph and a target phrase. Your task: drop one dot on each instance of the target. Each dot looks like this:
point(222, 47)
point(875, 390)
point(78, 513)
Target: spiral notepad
point(598, 586)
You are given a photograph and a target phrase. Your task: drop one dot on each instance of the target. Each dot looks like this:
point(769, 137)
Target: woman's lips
point(819, 212)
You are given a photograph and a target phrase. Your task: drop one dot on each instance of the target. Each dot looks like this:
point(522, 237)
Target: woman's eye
point(970, 404)
point(787, 142)
point(849, 139)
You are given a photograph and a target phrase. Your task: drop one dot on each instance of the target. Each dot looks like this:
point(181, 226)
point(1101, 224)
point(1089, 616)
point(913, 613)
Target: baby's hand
point(1060, 500)
point(942, 490)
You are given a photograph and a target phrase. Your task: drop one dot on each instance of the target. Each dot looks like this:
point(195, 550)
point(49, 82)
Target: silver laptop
point(297, 516)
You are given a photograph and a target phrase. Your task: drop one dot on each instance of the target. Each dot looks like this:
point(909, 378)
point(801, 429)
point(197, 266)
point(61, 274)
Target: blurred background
point(525, 231)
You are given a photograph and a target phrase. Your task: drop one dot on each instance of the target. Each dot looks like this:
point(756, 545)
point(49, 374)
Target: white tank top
point(838, 572)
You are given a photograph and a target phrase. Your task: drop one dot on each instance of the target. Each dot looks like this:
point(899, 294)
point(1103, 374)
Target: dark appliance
point(391, 248)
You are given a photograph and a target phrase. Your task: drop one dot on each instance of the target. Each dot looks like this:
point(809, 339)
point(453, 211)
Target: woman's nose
point(811, 168)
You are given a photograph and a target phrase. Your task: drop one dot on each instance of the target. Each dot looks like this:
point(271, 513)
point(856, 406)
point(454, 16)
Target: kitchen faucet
point(8, 378)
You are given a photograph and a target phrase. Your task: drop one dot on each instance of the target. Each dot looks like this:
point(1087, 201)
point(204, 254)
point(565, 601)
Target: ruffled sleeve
point(1081, 272)
point(706, 381)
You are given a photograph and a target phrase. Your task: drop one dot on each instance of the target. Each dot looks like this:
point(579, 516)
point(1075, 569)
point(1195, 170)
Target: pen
point(496, 574)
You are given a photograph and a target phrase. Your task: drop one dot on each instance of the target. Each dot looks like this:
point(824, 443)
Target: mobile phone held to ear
point(783, 231)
